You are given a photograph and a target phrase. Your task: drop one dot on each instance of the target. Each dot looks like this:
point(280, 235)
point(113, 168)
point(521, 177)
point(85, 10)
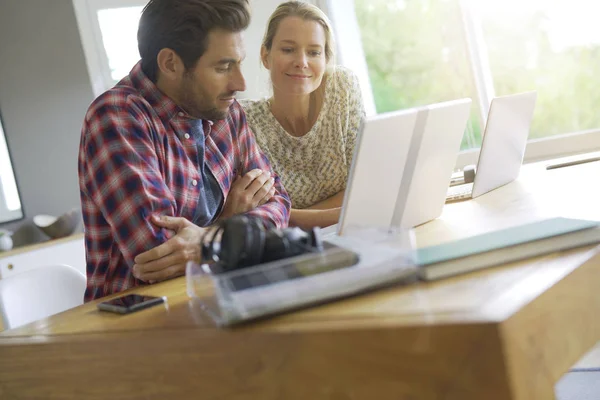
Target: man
point(167, 151)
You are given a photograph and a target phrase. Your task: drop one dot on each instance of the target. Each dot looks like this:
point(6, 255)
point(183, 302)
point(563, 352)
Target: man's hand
point(248, 192)
point(169, 259)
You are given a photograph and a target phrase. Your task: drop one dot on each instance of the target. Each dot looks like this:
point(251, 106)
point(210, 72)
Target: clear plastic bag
point(363, 259)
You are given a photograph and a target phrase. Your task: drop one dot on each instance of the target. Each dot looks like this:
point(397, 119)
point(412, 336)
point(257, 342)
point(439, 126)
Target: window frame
point(351, 54)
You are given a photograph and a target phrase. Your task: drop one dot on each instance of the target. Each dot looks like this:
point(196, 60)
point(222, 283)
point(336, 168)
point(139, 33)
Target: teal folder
point(491, 248)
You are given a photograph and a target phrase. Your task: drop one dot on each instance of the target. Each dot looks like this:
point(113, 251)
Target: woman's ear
point(170, 64)
point(264, 57)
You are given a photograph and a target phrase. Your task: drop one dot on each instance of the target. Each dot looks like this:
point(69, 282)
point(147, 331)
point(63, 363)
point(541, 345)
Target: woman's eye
point(315, 53)
point(287, 50)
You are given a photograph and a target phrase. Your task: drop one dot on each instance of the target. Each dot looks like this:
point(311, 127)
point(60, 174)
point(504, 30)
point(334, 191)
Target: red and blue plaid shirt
point(137, 158)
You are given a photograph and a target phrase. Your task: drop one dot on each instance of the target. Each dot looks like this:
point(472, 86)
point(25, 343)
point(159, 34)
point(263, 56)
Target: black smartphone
point(130, 303)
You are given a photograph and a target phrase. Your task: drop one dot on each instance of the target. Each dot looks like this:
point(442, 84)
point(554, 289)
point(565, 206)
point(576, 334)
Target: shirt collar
point(164, 106)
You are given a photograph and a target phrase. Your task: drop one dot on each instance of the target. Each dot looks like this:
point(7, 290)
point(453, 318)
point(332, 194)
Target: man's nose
point(237, 83)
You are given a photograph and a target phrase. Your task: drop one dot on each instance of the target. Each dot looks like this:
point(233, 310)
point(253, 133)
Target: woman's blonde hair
point(305, 11)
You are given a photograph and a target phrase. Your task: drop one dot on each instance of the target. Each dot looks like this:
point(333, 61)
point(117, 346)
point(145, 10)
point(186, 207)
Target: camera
point(242, 241)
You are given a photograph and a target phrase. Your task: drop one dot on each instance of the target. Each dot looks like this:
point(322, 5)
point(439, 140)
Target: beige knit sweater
point(315, 166)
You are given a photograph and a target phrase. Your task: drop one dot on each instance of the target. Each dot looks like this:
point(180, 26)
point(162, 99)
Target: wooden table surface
point(502, 333)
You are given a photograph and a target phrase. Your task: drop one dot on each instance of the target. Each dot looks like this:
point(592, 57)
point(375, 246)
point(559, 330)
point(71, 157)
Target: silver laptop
point(402, 167)
point(502, 148)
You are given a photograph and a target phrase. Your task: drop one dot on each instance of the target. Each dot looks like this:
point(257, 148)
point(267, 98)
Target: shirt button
point(187, 136)
point(195, 182)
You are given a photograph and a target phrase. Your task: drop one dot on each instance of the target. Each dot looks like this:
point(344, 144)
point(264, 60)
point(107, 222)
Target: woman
point(308, 127)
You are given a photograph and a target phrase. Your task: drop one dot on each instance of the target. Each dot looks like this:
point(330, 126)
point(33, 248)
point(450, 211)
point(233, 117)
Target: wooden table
point(503, 333)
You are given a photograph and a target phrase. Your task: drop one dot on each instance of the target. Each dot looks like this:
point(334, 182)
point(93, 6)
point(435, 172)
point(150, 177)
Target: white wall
point(44, 93)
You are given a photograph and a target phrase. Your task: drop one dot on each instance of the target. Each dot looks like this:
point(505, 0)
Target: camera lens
point(240, 241)
point(285, 243)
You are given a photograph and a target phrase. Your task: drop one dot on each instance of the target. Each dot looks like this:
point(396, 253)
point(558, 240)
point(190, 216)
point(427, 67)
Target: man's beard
point(198, 104)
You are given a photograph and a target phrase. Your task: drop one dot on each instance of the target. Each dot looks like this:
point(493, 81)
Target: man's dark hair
point(183, 26)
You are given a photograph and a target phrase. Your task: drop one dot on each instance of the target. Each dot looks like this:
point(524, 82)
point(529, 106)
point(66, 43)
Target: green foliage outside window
point(416, 55)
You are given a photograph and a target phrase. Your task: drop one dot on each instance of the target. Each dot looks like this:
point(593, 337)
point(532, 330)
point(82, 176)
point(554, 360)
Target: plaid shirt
point(137, 158)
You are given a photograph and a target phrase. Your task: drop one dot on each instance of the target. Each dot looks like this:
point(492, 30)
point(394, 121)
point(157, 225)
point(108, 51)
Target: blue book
point(506, 245)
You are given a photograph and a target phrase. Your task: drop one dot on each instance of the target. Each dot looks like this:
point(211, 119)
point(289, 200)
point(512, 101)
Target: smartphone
point(130, 303)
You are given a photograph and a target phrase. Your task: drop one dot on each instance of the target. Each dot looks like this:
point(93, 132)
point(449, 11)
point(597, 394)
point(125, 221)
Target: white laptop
point(431, 159)
point(402, 167)
point(502, 148)
point(377, 170)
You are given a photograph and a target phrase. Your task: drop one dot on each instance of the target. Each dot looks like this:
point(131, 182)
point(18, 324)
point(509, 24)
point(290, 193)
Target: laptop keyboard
point(461, 192)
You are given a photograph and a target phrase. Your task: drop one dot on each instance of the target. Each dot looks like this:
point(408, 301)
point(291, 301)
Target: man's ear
point(170, 64)
point(264, 57)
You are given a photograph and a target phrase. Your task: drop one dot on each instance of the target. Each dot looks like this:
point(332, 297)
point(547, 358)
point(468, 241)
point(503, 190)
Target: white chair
point(39, 293)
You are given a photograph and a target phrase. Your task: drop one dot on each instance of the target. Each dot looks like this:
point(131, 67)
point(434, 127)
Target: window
point(423, 61)
point(10, 203)
point(416, 52)
point(108, 30)
point(119, 36)
point(553, 46)
point(423, 51)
